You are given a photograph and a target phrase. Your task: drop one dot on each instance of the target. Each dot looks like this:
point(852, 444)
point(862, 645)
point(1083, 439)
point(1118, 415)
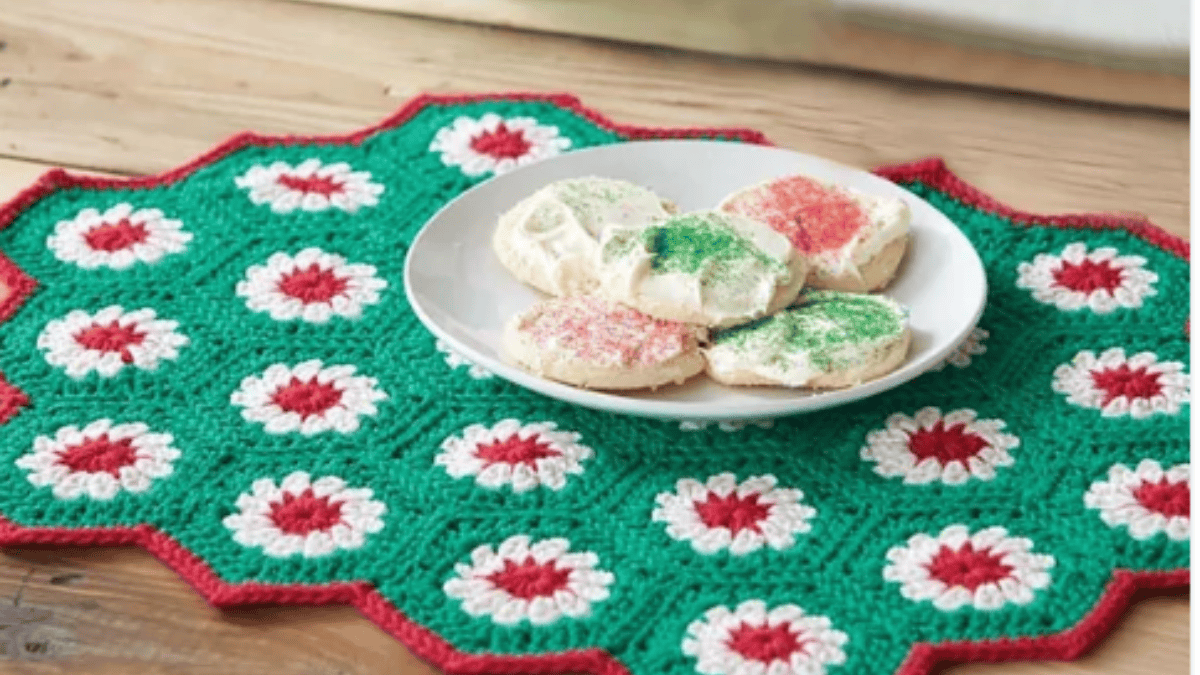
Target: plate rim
point(615, 403)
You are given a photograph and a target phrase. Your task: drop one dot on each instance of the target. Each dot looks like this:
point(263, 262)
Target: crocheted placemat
point(218, 364)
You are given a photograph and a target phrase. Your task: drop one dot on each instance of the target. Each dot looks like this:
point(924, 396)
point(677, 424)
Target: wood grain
point(120, 85)
point(117, 611)
point(139, 86)
point(806, 31)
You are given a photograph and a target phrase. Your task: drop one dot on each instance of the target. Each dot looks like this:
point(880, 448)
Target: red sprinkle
point(601, 333)
point(812, 216)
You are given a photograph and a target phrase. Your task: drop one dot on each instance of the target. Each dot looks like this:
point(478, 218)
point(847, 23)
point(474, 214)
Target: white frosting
point(551, 238)
point(796, 369)
point(844, 362)
point(888, 220)
point(719, 292)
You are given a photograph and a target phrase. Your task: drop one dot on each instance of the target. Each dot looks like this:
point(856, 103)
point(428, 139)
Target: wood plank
point(119, 85)
point(119, 611)
point(15, 175)
point(806, 31)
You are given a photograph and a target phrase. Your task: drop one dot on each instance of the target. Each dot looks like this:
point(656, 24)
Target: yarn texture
point(219, 365)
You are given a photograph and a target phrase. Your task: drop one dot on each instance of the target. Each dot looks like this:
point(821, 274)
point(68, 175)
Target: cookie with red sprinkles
point(590, 342)
point(852, 241)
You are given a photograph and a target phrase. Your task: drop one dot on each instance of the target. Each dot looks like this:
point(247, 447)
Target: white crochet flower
point(118, 238)
point(986, 569)
point(741, 517)
point(309, 397)
point(494, 144)
point(100, 460)
point(539, 581)
point(509, 453)
point(310, 186)
point(972, 345)
point(1101, 280)
point(1147, 500)
point(1139, 386)
point(312, 285)
point(931, 447)
point(754, 639)
point(109, 340)
point(456, 360)
point(300, 516)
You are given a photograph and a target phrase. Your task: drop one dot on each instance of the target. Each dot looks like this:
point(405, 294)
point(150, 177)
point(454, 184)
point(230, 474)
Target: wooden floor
point(138, 86)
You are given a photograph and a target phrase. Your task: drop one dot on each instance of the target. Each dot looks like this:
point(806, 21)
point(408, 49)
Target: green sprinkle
point(827, 319)
point(688, 243)
point(586, 194)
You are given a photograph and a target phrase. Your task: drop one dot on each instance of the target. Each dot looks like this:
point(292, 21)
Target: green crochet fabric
point(220, 365)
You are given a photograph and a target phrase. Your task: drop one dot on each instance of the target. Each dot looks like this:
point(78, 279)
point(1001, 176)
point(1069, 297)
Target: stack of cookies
point(775, 286)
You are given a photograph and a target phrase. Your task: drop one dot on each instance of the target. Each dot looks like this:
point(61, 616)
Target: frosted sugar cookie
point(550, 239)
point(830, 339)
point(851, 240)
point(707, 267)
point(589, 342)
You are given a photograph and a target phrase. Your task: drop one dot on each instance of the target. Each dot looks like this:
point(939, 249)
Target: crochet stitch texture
point(268, 417)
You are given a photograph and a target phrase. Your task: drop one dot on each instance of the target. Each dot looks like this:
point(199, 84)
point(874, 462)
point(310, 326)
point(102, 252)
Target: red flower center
point(946, 443)
point(530, 579)
point(1169, 499)
point(1088, 276)
point(501, 143)
point(733, 512)
point(515, 450)
point(111, 338)
point(967, 567)
point(313, 284)
point(765, 644)
point(99, 455)
point(1127, 382)
point(322, 185)
point(116, 236)
point(305, 513)
point(307, 398)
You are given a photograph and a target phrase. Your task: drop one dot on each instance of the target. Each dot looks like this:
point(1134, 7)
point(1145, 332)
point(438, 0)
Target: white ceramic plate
point(462, 293)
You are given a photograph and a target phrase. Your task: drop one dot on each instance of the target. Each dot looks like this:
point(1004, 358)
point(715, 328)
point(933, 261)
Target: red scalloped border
point(19, 284)
point(12, 400)
point(425, 644)
point(934, 173)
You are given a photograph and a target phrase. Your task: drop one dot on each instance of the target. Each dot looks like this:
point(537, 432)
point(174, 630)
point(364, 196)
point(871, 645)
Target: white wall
point(1156, 26)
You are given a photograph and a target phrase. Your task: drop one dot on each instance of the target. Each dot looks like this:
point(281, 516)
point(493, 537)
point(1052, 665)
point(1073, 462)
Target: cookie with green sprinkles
point(828, 340)
point(706, 267)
